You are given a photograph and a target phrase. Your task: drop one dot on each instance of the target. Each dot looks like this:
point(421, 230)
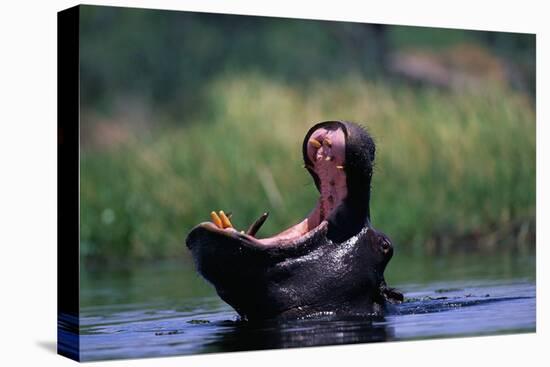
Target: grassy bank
point(452, 167)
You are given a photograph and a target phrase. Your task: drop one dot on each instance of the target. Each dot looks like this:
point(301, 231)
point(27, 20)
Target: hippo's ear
point(372, 151)
point(391, 295)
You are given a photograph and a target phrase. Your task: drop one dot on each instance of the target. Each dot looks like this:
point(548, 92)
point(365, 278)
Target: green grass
point(449, 164)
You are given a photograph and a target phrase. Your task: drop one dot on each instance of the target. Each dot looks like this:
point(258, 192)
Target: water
point(168, 310)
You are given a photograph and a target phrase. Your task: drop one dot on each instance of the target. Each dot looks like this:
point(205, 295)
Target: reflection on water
point(300, 333)
point(167, 310)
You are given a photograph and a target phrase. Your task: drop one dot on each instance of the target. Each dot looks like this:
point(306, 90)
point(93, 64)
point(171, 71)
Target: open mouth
point(324, 151)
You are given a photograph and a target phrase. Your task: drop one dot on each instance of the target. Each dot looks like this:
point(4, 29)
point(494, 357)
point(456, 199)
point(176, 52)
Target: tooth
point(225, 221)
point(327, 142)
point(340, 167)
point(315, 143)
point(255, 227)
point(216, 219)
point(328, 158)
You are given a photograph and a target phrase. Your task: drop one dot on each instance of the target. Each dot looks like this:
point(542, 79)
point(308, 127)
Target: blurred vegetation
point(184, 113)
point(165, 59)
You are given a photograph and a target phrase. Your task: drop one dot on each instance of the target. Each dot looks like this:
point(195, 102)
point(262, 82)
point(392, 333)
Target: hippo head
point(332, 262)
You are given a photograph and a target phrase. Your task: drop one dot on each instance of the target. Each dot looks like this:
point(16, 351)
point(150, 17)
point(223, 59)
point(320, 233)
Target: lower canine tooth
point(216, 219)
point(340, 167)
point(255, 227)
point(328, 158)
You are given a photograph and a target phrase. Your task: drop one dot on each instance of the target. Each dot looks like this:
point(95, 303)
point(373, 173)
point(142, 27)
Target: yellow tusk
point(225, 221)
point(315, 143)
point(216, 219)
point(340, 167)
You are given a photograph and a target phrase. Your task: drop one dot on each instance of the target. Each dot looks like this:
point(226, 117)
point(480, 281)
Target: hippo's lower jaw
point(331, 262)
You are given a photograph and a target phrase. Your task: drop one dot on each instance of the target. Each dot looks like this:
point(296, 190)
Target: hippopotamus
point(330, 263)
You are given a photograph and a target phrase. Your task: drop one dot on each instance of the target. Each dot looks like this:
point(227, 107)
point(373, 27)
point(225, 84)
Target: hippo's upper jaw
point(331, 262)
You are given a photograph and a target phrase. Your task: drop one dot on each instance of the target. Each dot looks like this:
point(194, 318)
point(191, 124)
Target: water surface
point(166, 309)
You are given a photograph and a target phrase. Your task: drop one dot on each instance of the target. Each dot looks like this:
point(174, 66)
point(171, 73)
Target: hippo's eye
point(386, 245)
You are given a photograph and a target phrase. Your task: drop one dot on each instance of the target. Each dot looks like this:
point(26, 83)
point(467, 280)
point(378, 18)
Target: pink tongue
point(328, 163)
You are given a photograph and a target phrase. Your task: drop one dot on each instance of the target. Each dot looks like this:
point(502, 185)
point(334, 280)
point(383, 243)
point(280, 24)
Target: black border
point(68, 216)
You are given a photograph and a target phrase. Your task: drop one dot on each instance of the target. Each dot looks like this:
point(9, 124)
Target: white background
point(28, 183)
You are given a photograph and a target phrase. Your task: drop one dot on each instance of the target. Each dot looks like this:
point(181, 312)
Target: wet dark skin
point(332, 263)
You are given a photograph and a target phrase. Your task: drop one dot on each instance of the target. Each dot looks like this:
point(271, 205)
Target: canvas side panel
point(68, 215)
